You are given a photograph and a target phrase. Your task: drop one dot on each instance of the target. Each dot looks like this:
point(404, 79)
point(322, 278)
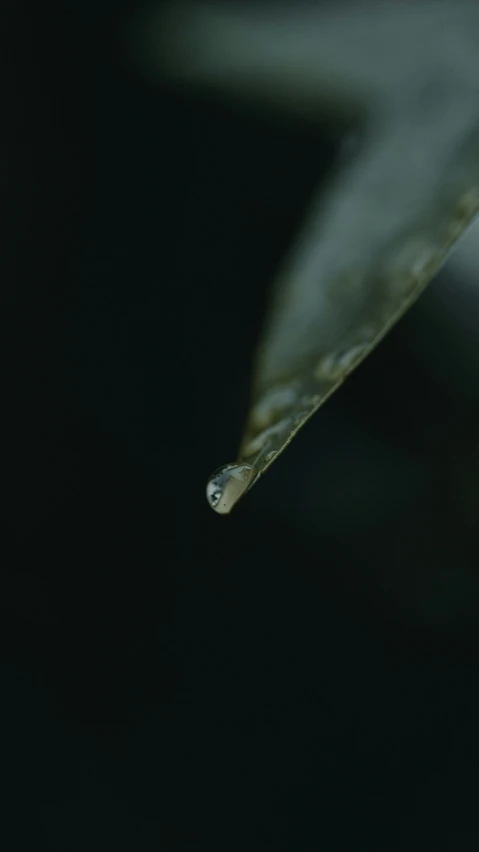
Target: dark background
point(303, 674)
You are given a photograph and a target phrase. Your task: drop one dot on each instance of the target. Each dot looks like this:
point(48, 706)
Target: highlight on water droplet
point(227, 485)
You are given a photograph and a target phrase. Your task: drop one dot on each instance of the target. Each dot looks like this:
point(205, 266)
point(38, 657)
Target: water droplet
point(227, 485)
point(336, 366)
point(307, 403)
point(328, 369)
point(273, 403)
point(259, 441)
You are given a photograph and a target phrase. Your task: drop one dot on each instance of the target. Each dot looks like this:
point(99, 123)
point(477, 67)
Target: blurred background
point(301, 675)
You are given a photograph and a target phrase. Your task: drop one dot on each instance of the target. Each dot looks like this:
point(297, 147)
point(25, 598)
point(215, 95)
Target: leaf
point(409, 78)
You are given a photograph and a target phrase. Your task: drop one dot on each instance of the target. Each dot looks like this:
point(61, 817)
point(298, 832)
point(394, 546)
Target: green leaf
point(408, 76)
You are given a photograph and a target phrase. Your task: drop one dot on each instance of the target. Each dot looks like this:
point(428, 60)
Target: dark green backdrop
point(303, 674)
